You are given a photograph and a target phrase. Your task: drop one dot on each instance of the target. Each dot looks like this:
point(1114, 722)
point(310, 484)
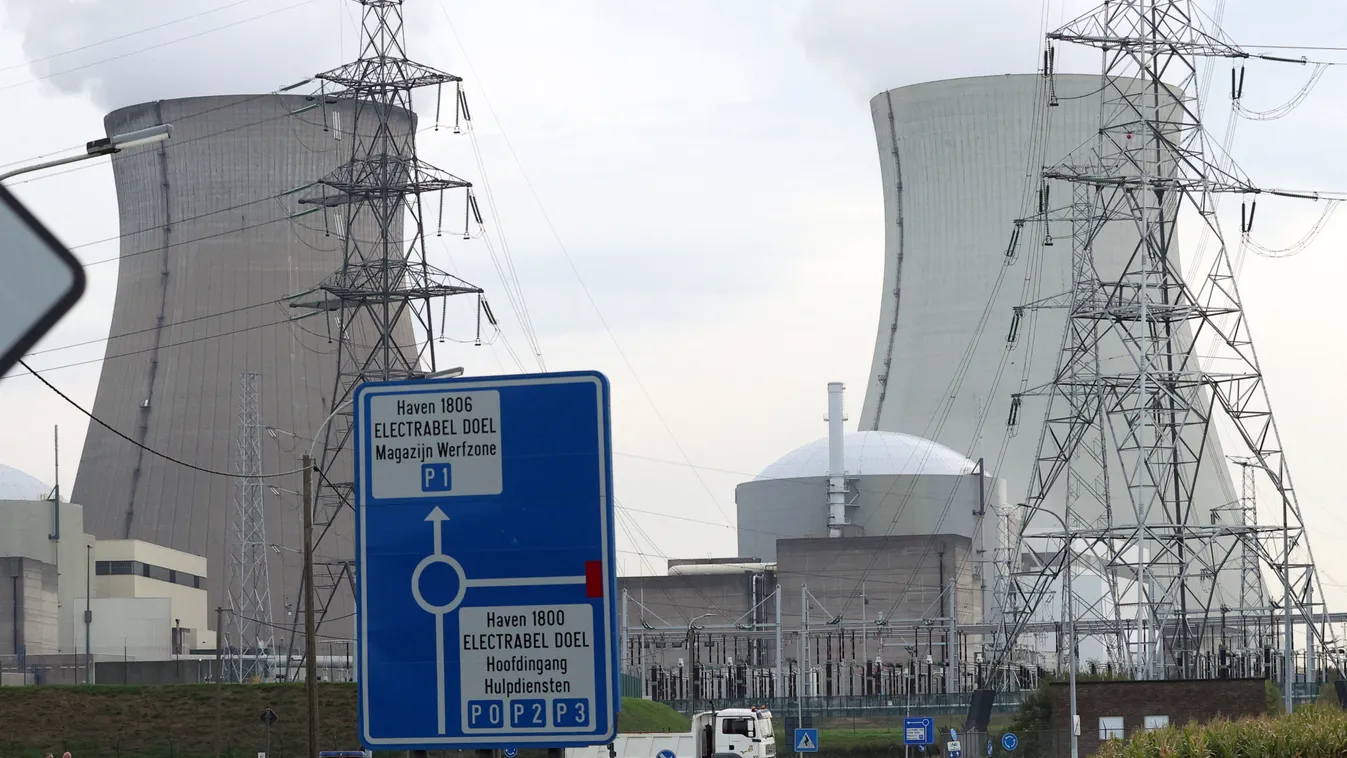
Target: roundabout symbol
point(437, 517)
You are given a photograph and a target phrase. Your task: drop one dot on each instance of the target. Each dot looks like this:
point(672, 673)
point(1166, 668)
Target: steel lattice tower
point(385, 281)
point(1132, 407)
point(249, 582)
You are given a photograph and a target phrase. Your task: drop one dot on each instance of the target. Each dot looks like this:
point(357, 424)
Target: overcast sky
point(691, 195)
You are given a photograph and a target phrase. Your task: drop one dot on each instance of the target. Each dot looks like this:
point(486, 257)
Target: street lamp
point(100, 147)
point(1070, 623)
point(693, 654)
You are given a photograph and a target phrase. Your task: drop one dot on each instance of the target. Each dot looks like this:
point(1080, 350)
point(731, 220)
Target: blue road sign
point(511, 752)
point(919, 730)
point(1009, 741)
point(806, 740)
point(486, 563)
point(666, 754)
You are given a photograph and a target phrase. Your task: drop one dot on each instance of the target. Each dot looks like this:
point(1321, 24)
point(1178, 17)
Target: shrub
point(1311, 732)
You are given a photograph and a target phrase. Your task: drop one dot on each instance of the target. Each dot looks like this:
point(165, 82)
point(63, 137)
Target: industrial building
point(861, 556)
point(215, 249)
point(68, 599)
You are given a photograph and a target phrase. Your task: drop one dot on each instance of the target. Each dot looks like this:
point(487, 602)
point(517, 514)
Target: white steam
point(121, 52)
point(877, 45)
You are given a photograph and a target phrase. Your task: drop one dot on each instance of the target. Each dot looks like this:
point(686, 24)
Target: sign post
point(42, 280)
point(806, 740)
point(486, 563)
point(268, 720)
point(919, 730)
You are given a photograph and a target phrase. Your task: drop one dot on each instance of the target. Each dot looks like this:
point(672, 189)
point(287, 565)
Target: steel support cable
point(1290, 105)
point(178, 143)
point(121, 335)
point(1299, 245)
point(660, 553)
point(212, 30)
point(589, 296)
point(150, 450)
point(166, 146)
point(126, 35)
point(180, 343)
point(513, 288)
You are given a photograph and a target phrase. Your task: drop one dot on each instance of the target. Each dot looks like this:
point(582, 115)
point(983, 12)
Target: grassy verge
point(649, 716)
point(196, 721)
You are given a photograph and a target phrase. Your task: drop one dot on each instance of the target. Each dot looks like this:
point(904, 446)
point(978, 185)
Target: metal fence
point(860, 706)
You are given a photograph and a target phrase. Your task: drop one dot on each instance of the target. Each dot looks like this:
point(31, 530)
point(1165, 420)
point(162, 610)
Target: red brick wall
point(1181, 701)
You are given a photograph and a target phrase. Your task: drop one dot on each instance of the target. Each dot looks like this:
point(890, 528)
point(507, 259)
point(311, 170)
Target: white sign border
point(604, 475)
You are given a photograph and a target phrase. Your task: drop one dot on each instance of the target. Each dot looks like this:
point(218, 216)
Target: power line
point(580, 279)
point(149, 450)
point(105, 41)
point(156, 46)
point(134, 332)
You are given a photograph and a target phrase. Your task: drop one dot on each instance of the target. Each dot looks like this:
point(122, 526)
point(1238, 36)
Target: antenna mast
point(249, 580)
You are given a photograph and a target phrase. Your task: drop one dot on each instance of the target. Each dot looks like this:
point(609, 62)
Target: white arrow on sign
point(437, 518)
point(42, 280)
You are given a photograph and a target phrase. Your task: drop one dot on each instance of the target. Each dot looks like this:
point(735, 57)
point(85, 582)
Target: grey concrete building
point(210, 251)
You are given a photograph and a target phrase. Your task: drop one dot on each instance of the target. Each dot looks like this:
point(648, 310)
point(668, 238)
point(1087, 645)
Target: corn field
point(1311, 732)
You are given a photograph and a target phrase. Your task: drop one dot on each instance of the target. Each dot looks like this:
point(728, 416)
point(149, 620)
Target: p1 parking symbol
point(436, 477)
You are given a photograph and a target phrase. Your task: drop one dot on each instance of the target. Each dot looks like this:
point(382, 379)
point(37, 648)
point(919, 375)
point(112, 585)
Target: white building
point(143, 601)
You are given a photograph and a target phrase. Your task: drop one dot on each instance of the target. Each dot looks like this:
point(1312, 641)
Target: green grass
point(191, 721)
point(648, 716)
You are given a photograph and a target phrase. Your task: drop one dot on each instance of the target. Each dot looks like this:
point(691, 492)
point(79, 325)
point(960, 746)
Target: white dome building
point(897, 485)
point(871, 453)
point(16, 485)
point(904, 522)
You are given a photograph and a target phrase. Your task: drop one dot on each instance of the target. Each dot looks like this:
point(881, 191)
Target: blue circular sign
point(1009, 741)
point(665, 754)
point(511, 752)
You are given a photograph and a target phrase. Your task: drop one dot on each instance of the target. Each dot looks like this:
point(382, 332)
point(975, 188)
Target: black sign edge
point(64, 304)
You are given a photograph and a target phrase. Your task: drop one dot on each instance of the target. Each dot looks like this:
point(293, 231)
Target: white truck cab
point(745, 732)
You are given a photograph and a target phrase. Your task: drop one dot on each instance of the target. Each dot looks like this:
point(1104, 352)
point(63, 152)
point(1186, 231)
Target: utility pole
point(219, 672)
point(310, 635)
point(952, 683)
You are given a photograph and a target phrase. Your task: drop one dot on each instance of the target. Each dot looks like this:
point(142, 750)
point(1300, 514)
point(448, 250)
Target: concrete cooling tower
point(209, 255)
point(958, 160)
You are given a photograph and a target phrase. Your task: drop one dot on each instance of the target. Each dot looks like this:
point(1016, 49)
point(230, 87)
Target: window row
point(1112, 727)
point(149, 571)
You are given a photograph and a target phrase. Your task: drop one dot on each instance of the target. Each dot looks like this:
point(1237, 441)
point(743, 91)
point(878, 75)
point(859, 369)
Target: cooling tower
point(958, 162)
point(209, 254)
